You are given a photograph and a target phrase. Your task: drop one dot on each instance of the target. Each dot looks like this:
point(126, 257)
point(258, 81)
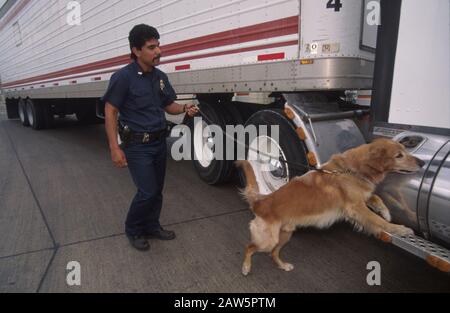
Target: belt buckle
point(146, 138)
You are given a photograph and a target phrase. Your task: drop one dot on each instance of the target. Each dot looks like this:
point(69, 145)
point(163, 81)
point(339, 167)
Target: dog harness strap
point(345, 172)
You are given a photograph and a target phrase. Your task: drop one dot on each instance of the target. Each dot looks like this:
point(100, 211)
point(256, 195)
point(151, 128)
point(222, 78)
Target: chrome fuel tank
point(422, 200)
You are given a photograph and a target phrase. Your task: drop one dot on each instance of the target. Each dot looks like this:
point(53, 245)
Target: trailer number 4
point(334, 4)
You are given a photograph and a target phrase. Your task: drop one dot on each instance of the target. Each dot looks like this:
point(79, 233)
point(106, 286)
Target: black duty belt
point(147, 137)
point(130, 137)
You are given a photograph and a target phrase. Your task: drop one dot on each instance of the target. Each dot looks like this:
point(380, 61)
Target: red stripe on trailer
point(267, 30)
point(214, 54)
point(77, 76)
point(182, 67)
point(277, 28)
point(272, 56)
point(121, 60)
point(208, 55)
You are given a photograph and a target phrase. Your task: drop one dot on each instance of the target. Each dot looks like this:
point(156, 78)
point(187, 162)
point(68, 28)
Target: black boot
point(160, 234)
point(139, 242)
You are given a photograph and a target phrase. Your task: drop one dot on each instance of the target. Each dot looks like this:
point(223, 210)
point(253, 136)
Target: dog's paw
point(401, 230)
point(245, 269)
point(287, 267)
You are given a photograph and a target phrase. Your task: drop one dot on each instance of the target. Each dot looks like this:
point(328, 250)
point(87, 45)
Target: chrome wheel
point(271, 173)
point(22, 113)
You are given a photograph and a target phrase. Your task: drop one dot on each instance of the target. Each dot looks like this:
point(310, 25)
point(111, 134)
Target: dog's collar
point(346, 172)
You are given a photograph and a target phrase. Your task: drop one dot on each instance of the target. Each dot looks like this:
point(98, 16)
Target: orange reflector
point(301, 133)
point(306, 61)
point(312, 159)
point(289, 114)
point(385, 237)
point(438, 263)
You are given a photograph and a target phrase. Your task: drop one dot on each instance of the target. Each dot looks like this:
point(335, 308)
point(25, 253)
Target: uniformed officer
point(139, 94)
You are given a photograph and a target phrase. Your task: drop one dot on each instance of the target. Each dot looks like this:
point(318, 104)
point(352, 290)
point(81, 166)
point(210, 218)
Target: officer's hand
point(118, 158)
point(191, 110)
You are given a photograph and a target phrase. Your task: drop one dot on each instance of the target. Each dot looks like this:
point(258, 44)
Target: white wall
point(421, 86)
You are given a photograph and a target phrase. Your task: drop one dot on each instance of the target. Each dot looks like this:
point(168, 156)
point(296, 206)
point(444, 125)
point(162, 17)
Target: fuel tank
point(421, 200)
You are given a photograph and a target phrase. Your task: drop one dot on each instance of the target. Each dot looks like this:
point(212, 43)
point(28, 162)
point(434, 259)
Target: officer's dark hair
point(139, 35)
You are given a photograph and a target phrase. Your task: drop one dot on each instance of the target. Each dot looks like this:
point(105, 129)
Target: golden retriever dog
point(341, 190)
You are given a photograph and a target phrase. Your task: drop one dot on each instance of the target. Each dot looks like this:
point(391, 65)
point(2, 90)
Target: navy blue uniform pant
point(147, 166)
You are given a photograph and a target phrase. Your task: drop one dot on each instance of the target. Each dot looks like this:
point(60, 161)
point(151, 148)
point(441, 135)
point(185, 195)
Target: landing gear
point(12, 108)
point(86, 113)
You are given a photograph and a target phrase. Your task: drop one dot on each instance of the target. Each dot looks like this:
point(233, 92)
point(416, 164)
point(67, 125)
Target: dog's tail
point(251, 191)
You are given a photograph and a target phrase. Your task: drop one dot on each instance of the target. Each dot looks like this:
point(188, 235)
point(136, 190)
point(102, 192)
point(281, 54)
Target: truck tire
point(210, 170)
point(246, 110)
point(37, 113)
point(232, 117)
point(12, 109)
point(236, 117)
point(22, 108)
point(274, 174)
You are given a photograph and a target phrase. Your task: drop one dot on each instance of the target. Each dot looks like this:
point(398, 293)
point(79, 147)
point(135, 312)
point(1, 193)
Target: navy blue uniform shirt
point(140, 97)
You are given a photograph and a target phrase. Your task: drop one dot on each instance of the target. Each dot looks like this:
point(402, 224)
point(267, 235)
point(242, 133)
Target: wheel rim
point(21, 112)
point(30, 114)
point(203, 145)
point(271, 174)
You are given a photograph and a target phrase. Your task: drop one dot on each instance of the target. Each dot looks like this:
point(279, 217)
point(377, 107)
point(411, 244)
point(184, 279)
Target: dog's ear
point(378, 158)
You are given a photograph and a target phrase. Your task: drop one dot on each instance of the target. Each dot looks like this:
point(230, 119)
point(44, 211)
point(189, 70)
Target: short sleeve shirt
point(140, 97)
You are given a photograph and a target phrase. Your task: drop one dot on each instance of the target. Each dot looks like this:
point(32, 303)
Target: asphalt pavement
point(61, 200)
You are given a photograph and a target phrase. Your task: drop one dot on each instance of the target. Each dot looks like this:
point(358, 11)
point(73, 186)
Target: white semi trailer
point(294, 60)
point(56, 58)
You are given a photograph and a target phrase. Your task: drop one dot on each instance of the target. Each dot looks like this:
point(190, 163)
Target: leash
point(292, 164)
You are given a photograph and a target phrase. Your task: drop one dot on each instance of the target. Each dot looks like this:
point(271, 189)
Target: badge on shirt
point(162, 85)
